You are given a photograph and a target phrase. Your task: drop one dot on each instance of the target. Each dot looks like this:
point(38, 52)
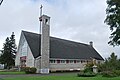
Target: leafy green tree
point(113, 20)
point(9, 50)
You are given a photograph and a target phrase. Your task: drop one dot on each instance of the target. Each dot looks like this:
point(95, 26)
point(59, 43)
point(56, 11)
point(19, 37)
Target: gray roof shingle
point(62, 49)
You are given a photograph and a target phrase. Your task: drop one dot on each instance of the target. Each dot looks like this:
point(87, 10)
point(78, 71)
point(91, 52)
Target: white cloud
point(77, 20)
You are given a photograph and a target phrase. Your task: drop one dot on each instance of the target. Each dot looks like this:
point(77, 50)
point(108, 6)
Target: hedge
point(30, 70)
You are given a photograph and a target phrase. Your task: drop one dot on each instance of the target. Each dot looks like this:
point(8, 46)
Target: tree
point(113, 61)
point(113, 20)
point(9, 51)
point(110, 64)
point(13, 45)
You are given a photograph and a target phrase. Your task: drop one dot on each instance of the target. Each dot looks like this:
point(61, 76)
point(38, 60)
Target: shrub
point(29, 70)
point(33, 70)
point(88, 69)
point(87, 74)
point(117, 72)
point(22, 68)
point(109, 74)
point(113, 73)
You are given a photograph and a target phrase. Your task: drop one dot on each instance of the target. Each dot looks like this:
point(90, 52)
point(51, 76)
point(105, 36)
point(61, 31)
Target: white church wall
point(17, 59)
point(38, 64)
point(29, 59)
point(18, 55)
point(70, 66)
point(24, 50)
point(67, 66)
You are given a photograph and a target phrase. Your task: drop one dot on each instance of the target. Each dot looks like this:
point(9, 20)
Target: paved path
point(27, 75)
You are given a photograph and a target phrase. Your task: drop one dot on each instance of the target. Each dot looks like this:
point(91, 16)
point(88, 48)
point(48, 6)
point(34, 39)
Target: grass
point(65, 77)
point(10, 73)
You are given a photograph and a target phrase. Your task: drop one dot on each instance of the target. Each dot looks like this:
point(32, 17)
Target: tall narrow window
point(52, 61)
point(71, 61)
point(78, 61)
point(62, 61)
point(81, 61)
point(67, 61)
point(58, 61)
point(74, 61)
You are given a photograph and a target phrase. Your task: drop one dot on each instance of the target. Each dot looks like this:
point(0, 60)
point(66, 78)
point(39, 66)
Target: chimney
point(91, 43)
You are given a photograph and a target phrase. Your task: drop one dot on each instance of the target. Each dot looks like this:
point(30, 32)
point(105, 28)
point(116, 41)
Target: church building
point(48, 53)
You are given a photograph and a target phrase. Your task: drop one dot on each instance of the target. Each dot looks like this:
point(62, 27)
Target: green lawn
point(6, 73)
point(65, 77)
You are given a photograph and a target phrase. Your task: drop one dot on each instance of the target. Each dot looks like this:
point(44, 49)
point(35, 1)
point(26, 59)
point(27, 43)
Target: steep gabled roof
point(62, 49)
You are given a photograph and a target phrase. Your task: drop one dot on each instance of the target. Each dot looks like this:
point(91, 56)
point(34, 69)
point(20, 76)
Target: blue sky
point(76, 20)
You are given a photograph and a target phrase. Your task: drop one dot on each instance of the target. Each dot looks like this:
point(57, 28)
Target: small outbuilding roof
point(62, 49)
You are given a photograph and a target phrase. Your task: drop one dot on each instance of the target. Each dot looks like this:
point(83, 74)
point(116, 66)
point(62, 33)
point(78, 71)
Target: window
point(62, 61)
point(46, 21)
point(98, 62)
point(81, 61)
point(52, 61)
point(58, 61)
point(67, 61)
point(78, 61)
point(71, 61)
point(87, 61)
point(74, 61)
point(24, 49)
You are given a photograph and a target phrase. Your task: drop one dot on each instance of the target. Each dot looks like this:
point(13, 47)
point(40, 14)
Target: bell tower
point(45, 43)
